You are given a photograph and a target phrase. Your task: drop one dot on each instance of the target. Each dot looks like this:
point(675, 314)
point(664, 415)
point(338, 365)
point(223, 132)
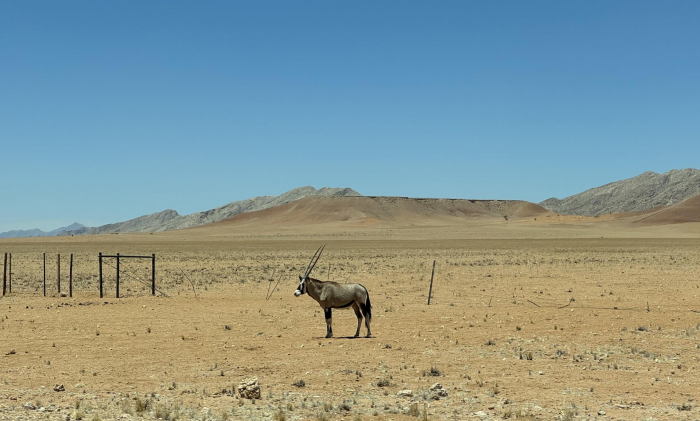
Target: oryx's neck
point(313, 288)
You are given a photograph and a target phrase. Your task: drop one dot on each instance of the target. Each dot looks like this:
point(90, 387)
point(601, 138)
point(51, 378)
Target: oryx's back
point(343, 292)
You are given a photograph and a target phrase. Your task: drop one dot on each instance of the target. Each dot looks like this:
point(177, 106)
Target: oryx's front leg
point(358, 313)
point(329, 327)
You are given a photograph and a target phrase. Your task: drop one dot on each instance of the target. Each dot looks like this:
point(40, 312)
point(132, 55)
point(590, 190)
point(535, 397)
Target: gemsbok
point(330, 295)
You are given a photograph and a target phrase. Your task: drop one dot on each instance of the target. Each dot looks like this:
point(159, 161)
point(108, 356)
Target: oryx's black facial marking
point(301, 289)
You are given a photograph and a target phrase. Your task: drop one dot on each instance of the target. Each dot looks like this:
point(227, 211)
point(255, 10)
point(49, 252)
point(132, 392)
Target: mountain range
point(648, 191)
point(40, 233)
point(644, 192)
point(169, 219)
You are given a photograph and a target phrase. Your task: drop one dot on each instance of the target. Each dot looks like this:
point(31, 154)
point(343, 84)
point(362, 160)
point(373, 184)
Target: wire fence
point(53, 275)
point(640, 290)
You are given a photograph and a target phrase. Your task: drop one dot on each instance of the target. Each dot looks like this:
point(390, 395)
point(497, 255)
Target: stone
point(29, 405)
point(59, 388)
point(249, 388)
point(405, 394)
point(437, 391)
point(481, 414)
point(601, 412)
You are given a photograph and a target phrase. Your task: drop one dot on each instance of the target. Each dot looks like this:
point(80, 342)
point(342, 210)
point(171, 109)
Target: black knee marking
point(327, 312)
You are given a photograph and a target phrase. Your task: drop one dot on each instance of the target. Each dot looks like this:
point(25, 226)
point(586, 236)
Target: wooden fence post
point(430, 292)
point(4, 276)
point(153, 275)
point(70, 277)
point(58, 273)
point(44, 274)
point(9, 276)
point(101, 275)
point(117, 275)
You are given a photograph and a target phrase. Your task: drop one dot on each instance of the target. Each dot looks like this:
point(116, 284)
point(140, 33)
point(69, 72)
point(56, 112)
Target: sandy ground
point(537, 319)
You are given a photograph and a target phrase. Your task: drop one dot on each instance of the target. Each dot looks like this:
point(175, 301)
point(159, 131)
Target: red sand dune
point(686, 211)
point(368, 209)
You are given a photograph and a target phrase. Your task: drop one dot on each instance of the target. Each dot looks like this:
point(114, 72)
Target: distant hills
point(38, 232)
point(671, 197)
point(381, 211)
point(169, 219)
point(643, 192)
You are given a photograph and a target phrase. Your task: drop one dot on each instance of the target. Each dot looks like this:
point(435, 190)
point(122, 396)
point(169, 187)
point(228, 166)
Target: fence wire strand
point(134, 276)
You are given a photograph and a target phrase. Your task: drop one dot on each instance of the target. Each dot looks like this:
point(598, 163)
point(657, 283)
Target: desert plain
point(534, 317)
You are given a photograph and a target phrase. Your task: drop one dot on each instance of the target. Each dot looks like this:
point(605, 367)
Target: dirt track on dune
point(544, 328)
point(684, 212)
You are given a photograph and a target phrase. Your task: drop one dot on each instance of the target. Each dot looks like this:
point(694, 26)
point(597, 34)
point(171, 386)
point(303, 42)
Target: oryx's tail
point(367, 306)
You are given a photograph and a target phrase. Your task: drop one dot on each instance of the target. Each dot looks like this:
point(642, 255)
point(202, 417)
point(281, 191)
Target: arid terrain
point(540, 316)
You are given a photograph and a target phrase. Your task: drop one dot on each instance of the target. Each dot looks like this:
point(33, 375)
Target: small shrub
point(299, 383)
point(568, 414)
point(163, 412)
point(383, 383)
point(433, 372)
point(140, 405)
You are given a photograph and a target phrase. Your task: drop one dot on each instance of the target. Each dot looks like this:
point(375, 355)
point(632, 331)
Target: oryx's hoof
point(329, 335)
point(356, 336)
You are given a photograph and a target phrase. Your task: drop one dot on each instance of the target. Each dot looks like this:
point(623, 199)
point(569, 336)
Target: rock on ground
point(249, 388)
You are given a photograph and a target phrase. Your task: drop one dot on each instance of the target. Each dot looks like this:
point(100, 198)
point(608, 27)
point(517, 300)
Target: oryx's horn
point(313, 261)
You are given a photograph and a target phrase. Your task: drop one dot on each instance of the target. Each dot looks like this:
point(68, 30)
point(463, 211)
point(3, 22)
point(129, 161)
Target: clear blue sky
point(114, 109)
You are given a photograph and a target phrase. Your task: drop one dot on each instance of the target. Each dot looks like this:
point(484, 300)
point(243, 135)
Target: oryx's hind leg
point(329, 327)
point(358, 313)
point(367, 312)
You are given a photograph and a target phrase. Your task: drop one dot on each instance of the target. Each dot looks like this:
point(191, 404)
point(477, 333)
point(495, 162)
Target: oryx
point(330, 295)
